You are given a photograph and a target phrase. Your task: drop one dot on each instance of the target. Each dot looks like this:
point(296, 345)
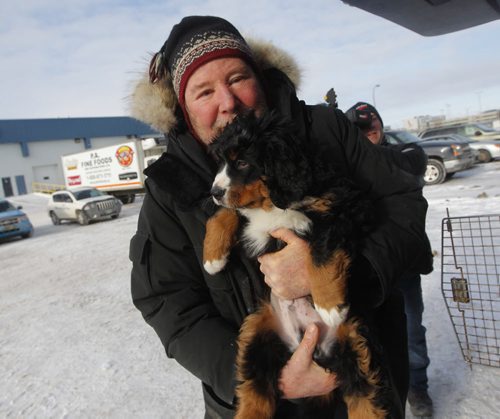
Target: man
point(203, 76)
point(413, 160)
point(409, 157)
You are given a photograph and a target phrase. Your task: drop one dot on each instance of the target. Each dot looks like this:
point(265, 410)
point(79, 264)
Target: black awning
point(432, 17)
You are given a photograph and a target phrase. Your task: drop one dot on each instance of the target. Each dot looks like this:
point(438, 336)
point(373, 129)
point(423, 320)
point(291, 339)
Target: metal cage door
point(470, 272)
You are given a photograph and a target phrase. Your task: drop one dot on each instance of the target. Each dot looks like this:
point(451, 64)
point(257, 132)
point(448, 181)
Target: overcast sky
point(79, 58)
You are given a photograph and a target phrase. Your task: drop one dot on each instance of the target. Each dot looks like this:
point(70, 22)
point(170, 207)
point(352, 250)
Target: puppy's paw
point(333, 316)
point(215, 266)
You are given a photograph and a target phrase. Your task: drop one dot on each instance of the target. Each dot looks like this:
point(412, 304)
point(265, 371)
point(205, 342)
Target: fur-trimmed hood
point(156, 104)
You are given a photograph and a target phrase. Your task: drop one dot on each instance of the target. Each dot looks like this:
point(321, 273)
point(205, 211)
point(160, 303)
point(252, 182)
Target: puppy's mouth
point(254, 195)
point(238, 203)
point(220, 202)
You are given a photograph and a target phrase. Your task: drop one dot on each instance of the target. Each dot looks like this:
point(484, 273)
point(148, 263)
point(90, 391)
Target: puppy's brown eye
point(241, 164)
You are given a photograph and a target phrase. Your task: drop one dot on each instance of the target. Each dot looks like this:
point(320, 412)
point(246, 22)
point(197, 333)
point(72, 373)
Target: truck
point(116, 169)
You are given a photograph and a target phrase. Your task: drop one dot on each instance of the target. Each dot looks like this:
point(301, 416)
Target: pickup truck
point(446, 157)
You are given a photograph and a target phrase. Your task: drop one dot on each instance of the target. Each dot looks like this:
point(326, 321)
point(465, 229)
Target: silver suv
point(83, 205)
point(474, 131)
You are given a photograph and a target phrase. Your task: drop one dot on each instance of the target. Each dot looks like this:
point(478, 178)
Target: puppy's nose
point(217, 192)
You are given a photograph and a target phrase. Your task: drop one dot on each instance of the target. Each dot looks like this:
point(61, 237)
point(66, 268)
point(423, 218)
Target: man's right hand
point(301, 376)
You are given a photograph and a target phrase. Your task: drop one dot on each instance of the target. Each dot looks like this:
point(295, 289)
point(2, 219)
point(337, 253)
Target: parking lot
point(72, 344)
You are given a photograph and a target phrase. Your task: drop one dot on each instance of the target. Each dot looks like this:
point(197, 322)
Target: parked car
point(13, 221)
point(488, 150)
point(473, 131)
point(445, 157)
point(83, 205)
point(485, 150)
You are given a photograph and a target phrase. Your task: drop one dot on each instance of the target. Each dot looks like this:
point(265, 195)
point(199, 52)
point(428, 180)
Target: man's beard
point(219, 126)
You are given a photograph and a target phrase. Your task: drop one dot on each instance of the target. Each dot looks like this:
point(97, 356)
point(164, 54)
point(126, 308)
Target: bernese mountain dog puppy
point(268, 179)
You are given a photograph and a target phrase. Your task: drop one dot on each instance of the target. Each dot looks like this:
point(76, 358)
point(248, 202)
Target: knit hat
point(194, 41)
point(353, 116)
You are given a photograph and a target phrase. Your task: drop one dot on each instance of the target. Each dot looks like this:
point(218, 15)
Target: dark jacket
point(197, 316)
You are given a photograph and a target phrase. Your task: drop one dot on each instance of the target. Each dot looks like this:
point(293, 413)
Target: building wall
point(10, 166)
point(419, 123)
point(43, 163)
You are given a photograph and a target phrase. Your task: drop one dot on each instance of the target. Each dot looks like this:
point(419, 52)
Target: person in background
point(414, 160)
point(204, 75)
point(331, 98)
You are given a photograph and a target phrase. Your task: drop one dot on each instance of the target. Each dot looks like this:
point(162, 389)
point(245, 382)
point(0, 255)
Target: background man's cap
point(353, 115)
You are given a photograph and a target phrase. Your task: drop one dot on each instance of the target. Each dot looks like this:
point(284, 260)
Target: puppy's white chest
point(260, 223)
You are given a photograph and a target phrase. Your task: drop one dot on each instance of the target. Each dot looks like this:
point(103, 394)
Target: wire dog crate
point(470, 276)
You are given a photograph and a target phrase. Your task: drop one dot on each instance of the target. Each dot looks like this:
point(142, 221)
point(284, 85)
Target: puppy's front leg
point(329, 288)
point(220, 237)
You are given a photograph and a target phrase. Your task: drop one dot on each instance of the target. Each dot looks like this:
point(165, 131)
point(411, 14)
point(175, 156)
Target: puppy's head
point(261, 163)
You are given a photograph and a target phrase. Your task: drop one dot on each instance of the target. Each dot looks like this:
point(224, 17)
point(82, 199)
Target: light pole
point(373, 94)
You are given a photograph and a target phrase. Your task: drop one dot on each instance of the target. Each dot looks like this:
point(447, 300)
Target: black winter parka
point(197, 316)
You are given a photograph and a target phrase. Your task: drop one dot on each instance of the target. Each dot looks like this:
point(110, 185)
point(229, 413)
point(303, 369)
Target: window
point(390, 139)
point(6, 206)
point(485, 128)
point(402, 137)
point(469, 130)
point(440, 131)
point(62, 197)
point(87, 193)
point(450, 130)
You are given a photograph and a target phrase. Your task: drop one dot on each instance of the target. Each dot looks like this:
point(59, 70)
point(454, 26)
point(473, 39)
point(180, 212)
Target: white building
point(419, 123)
point(31, 149)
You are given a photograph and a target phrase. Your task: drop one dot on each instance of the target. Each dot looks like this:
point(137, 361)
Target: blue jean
point(411, 288)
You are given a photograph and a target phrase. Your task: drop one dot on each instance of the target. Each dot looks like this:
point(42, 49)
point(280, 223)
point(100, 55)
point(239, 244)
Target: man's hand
point(301, 376)
point(286, 271)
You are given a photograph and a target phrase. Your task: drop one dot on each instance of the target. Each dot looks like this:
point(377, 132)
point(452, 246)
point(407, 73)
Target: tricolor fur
point(266, 181)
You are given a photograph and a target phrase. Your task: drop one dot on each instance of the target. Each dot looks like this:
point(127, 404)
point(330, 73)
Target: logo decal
point(125, 155)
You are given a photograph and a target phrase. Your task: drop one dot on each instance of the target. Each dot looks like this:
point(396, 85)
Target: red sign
point(74, 180)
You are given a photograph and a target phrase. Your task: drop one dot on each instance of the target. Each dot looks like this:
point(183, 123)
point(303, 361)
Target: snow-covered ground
point(72, 344)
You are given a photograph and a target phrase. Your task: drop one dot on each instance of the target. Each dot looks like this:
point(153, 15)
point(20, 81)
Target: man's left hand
point(301, 376)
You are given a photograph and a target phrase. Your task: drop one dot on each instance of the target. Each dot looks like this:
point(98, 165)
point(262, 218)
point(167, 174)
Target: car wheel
point(484, 156)
point(82, 218)
point(435, 172)
point(126, 199)
point(55, 219)
point(114, 217)
point(28, 235)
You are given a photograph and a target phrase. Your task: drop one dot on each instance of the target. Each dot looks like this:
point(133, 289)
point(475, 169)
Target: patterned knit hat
point(193, 42)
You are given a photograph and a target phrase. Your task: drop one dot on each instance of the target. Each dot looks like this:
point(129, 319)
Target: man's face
point(219, 90)
point(375, 132)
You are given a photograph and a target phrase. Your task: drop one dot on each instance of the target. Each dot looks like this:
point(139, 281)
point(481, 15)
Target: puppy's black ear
point(286, 167)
